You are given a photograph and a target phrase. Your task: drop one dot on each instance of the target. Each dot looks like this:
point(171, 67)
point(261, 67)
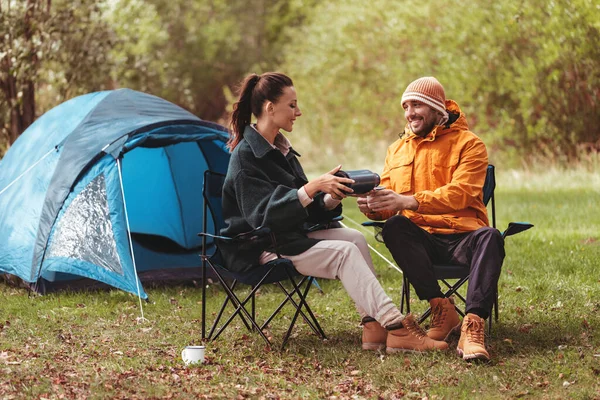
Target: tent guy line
point(391, 264)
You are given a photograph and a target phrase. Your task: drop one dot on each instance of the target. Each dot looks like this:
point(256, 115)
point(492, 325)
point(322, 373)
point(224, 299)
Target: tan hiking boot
point(471, 345)
point(444, 318)
point(374, 336)
point(411, 337)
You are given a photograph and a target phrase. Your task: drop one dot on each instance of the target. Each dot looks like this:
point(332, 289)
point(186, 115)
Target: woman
point(266, 186)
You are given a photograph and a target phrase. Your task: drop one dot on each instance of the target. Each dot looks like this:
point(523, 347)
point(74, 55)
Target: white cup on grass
point(193, 355)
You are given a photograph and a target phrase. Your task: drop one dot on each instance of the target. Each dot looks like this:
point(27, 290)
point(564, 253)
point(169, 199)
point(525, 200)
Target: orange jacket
point(445, 171)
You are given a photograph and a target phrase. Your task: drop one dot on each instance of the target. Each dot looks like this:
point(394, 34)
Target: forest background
point(525, 72)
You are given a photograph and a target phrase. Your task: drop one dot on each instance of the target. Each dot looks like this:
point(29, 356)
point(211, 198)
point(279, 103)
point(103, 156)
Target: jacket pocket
point(444, 166)
point(401, 174)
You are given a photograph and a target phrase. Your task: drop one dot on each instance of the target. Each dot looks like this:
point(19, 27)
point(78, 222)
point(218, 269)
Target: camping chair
point(460, 273)
point(276, 271)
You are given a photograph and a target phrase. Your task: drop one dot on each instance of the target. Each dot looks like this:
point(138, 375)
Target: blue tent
point(107, 186)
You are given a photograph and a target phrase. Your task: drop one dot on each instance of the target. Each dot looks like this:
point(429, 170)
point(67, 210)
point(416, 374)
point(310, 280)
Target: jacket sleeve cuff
point(304, 198)
point(420, 197)
point(330, 203)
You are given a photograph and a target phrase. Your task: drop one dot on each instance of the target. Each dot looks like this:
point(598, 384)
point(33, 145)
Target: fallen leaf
point(525, 328)
point(519, 310)
point(585, 324)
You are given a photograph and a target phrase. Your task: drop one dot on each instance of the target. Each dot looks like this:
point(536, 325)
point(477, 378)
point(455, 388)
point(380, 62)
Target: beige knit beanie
point(426, 90)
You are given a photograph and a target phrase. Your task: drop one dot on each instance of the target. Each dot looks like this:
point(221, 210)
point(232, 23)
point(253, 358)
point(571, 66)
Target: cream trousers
point(344, 254)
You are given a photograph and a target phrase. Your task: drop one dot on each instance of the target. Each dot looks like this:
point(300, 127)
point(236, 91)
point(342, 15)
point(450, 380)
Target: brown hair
point(254, 91)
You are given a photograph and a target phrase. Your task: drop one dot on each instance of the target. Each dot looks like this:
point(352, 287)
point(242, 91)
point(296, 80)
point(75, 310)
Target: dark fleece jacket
point(261, 190)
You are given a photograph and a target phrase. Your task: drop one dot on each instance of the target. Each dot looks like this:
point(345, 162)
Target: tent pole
point(137, 281)
point(28, 169)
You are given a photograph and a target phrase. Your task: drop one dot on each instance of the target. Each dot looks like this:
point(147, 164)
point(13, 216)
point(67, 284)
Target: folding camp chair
point(277, 271)
point(460, 273)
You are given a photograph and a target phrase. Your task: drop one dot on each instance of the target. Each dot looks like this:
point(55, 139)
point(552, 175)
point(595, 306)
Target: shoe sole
point(373, 346)
point(392, 350)
point(472, 356)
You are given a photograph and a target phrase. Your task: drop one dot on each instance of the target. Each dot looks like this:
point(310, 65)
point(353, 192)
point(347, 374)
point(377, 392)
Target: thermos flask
point(364, 180)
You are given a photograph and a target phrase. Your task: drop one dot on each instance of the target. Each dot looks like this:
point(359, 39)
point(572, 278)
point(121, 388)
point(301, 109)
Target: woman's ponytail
point(254, 91)
point(242, 111)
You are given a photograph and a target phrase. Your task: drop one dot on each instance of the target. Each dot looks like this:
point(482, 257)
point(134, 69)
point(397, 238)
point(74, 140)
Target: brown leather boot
point(374, 336)
point(471, 343)
point(444, 318)
point(411, 337)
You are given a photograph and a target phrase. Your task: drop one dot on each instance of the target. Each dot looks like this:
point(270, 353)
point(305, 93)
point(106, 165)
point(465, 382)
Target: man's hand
point(362, 205)
point(388, 200)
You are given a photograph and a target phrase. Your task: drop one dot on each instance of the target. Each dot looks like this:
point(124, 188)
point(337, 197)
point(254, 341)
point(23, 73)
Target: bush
point(523, 72)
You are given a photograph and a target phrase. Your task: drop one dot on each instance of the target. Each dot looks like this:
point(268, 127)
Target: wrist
point(412, 203)
point(310, 189)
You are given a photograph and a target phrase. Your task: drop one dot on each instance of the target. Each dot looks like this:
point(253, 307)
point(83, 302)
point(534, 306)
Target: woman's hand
point(330, 184)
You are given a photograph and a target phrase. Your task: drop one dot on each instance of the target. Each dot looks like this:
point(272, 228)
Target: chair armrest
point(324, 225)
point(254, 234)
point(374, 224)
point(516, 227)
point(226, 238)
point(242, 237)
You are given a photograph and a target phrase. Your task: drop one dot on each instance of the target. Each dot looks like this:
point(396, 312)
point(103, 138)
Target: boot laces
point(414, 328)
point(438, 316)
point(475, 331)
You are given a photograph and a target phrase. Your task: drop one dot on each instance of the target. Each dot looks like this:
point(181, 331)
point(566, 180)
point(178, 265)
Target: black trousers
point(416, 250)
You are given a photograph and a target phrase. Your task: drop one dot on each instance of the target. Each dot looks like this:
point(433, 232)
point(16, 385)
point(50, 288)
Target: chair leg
point(240, 306)
point(320, 331)
point(496, 305)
point(253, 307)
point(314, 324)
point(283, 302)
point(302, 302)
point(220, 314)
point(203, 296)
point(405, 299)
point(494, 310)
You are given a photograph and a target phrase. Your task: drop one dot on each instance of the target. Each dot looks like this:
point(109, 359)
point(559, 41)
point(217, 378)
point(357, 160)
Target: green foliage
point(49, 52)
point(524, 72)
point(190, 52)
point(545, 345)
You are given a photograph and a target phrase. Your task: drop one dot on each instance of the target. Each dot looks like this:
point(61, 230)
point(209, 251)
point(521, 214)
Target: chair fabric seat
point(253, 276)
point(448, 271)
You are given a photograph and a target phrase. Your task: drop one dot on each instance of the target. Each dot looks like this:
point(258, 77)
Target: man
point(432, 203)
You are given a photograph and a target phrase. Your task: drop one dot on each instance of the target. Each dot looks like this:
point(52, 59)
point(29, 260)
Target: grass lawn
point(545, 345)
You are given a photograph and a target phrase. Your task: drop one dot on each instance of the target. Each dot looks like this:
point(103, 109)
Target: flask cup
point(364, 180)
